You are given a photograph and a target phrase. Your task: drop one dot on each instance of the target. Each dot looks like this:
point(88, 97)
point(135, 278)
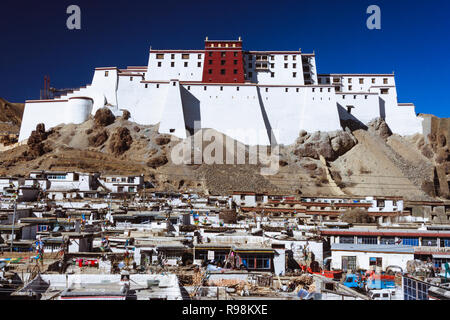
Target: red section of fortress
point(224, 62)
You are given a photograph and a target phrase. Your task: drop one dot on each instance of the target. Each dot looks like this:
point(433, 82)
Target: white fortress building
point(233, 91)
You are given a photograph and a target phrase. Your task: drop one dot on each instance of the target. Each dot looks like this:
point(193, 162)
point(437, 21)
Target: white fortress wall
point(172, 120)
point(132, 93)
point(283, 110)
point(405, 121)
point(363, 106)
point(49, 112)
point(104, 87)
point(230, 109)
point(319, 112)
point(145, 100)
point(401, 119)
point(78, 109)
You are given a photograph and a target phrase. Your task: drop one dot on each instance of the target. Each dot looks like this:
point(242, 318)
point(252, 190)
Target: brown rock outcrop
point(120, 141)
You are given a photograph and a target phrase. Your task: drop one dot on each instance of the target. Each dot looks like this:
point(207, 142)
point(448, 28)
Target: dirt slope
point(362, 163)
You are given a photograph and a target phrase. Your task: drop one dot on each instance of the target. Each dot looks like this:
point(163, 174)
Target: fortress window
point(160, 56)
point(272, 57)
point(343, 96)
point(294, 57)
point(210, 54)
point(157, 85)
point(235, 71)
point(349, 88)
point(294, 74)
point(384, 91)
point(210, 71)
point(199, 64)
point(223, 54)
point(235, 61)
point(172, 56)
point(365, 97)
point(172, 64)
point(267, 89)
point(131, 78)
point(222, 71)
point(285, 65)
point(373, 80)
point(250, 65)
point(294, 65)
point(199, 56)
point(250, 74)
point(171, 130)
point(237, 88)
point(234, 53)
point(185, 64)
point(159, 64)
point(385, 81)
point(349, 109)
point(321, 89)
point(174, 84)
point(285, 58)
point(297, 89)
point(209, 61)
point(204, 88)
point(189, 87)
point(272, 65)
point(106, 73)
point(349, 80)
point(361, 80)
point(272, 74)
point(313, 89)
point(329, 89)
point(354, 97)
point(221, 88)
point(222, 62)
point(185, 56)
point(146, 85)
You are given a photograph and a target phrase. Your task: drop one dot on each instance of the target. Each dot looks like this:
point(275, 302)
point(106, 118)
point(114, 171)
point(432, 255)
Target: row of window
point(349, 80)
point(225, 45)
point(160, 56)
point(354, 97)
point(222, 71)
point(265, 58)
point(222, 62)
point(56, 177)
point(406, 241)
point(172, 64)
point(272, 65)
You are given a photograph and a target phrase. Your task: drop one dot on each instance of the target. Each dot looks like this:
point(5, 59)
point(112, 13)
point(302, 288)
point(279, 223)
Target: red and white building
point(248, 95)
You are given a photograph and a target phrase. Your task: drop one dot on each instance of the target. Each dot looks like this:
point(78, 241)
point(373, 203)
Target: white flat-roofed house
point(117, 183)
point(369, 257)
point(249, 199)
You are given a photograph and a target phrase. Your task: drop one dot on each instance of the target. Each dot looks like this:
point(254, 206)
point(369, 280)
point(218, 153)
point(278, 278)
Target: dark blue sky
point(414, 40)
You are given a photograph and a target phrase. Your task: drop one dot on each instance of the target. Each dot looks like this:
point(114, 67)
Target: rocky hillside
point(359, 162)
point(10, 120)
point(10, 116)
